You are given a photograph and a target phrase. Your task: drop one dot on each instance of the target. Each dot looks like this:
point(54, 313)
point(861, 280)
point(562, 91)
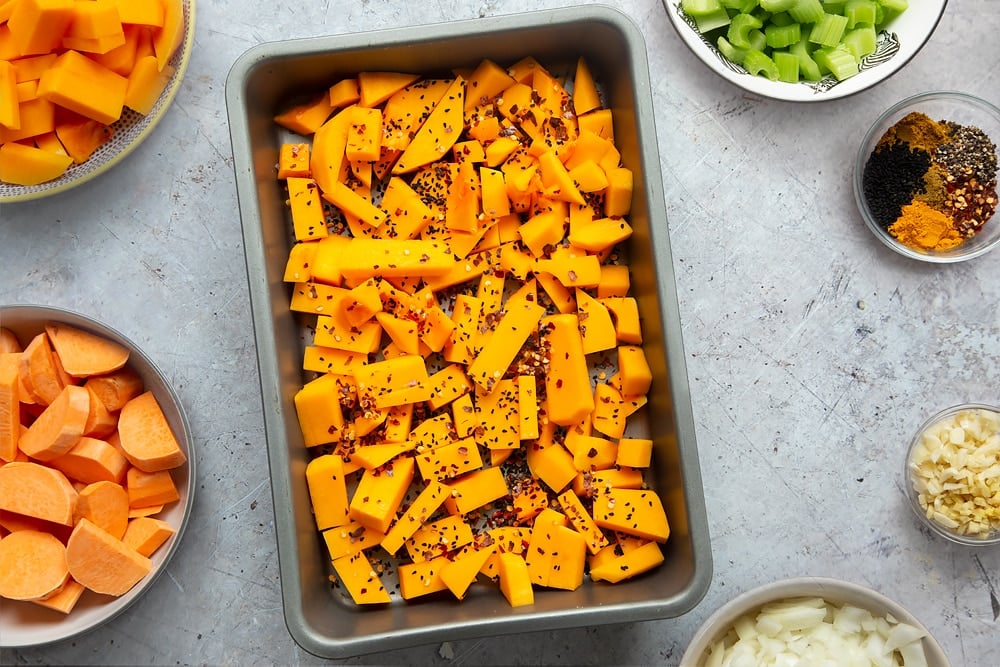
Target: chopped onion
point(811, 632)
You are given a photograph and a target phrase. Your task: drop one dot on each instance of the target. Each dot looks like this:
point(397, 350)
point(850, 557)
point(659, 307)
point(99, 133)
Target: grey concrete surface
point(813, 351)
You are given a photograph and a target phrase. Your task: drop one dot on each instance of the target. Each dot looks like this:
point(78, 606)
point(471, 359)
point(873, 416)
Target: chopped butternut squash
point(469, 304)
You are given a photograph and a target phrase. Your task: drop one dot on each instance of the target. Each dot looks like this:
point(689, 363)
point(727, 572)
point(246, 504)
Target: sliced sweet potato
point(146, 534)
point(102, 563)
point(58, 428)
point(9, 342)
point(115, 389)
point(101, 423)
point(83, 353)
point(32, 565)
point(146, 437)
point(92, 460)
point(37, 491)
point(38, 371)
point(65, 598)
point(147, 489)
point(105, 504)
point(10, 405)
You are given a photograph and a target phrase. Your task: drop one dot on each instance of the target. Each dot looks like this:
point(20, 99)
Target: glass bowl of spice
point(925, 179)
point(953, 474)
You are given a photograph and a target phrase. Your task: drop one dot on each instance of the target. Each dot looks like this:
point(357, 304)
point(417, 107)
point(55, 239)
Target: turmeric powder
point(919, 131)
point(924, 228)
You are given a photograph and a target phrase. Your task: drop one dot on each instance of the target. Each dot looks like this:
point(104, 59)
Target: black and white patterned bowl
point(897, 44)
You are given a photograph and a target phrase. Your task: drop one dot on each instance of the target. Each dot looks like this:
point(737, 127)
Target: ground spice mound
point(931, 184)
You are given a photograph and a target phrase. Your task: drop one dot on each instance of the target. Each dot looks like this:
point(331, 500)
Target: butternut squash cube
point(633, 511)
point(380, 492)
point(420, 510)
point(475, 489)
point(422, 578)
point(146, 83)
point(360, 579)
point(84, 86)
point(318, 407)
point(349, 539)
point(325, 478)
point(515, 583)
point(461, 571)
point(27, 165)
point(37, 26)
point(629, 565)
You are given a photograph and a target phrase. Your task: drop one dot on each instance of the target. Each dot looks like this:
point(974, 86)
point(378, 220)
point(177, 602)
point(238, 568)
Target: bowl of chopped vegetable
point(827, 621)
point(951, 474)
point(106, 453)
point(88, 95)
point(804, 50)
point(925, 177)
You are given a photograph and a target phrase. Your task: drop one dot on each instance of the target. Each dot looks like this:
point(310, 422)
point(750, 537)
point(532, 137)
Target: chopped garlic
point(955, 471)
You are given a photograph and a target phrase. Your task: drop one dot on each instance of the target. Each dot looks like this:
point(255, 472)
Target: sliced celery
point(834, 6)
point(838, 60)
point(710, 22)
point(787, 64)
point(756, 62)
point(781, 18)
point(731, 52)
point(891, 9)
point(696, 8)
point(807, 11)
point(777, 5)
point(778, 37)
point(741, 6)
point(859, 11)
point(828, 30)
point(861, 41)
point(739, 30)
point(807, 66)
point(757, 40)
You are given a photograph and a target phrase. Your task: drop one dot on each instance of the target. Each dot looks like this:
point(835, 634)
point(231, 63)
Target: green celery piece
point(757, 40)
point(777, 5)
point(781, 19)
point(859, 11)
point(861, 41)
point(808, 67)
point(710, 22)
point(741, 6)
point(732, 53)
point(760, 64)
point(828, 30)
point(838, 60)
point(778, 37)
point(739, 30)
point(788, 66)
point(834, 6)
point(696, 8)
point(890, 10)
point(807, 11)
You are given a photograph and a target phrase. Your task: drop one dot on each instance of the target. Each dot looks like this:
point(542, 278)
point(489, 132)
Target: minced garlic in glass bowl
point(953, 474)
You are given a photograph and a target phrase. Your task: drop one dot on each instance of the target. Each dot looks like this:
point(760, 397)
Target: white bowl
point(897, 44)
point(26, 624)
point(129, 131)
point(833, 591)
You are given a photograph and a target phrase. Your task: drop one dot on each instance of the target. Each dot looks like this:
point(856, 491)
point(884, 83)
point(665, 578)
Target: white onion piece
point(802, 632)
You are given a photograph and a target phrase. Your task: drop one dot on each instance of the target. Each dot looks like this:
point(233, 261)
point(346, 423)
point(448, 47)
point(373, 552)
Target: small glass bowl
point(939, 106)
point(935, 526)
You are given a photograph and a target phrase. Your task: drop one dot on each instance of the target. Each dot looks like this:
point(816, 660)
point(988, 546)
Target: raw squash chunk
point(515, 583)
point(438, 133)
point(379, 494)
point(21, 164)
point(360, 579)
point(84, 86)
point(325, 478)
point(419, 511)
point(632, 511)
point(631, 564)
point(350, 539)
point(421, 578)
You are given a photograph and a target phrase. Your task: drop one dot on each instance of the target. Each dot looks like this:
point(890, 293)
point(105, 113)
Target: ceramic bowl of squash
point(759, 612)
point(126, 134)
point(27, 624)
point(271, 78)
point(898, 41)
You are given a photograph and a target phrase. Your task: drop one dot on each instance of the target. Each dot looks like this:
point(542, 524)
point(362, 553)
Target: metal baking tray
point(270, 77)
